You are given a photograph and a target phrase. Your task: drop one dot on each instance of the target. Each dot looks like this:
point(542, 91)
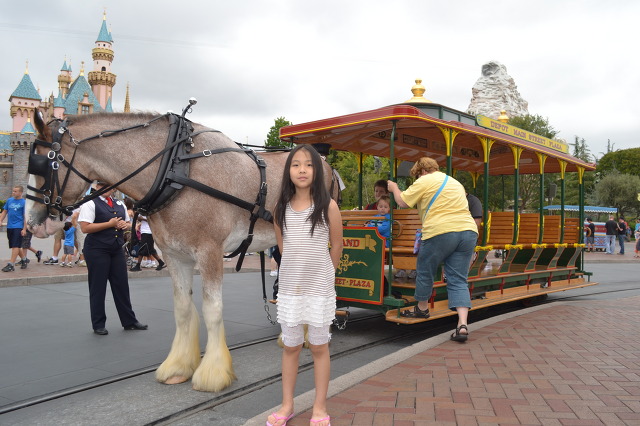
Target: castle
point(82, 95)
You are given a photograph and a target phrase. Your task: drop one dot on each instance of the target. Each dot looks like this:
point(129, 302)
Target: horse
point(192, 229)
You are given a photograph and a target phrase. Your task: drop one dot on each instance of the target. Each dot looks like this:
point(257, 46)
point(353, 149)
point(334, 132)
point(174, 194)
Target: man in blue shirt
point(16, 227)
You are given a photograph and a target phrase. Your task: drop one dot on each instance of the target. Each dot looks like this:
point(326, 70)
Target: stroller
point(132, 247)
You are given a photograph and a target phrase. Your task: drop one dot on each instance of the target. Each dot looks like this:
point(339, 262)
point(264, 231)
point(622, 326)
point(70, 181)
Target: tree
point(347, 165)
point(273, 137)
point(581, 150)
point(624, 160)
point(619, 190)
point(530, 184)
point(535, 124)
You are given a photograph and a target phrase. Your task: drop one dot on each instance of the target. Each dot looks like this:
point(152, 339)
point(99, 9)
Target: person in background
point(611, 228)
point(379, 189)
point(26, 246)
point(59, 237)
point(147, 245)
point(590, 232)
point(69, 243)
point(637, 235)
point(273, 263)
point(449, 236)
point(622, 234)
point(16, 227)
point(475, 208)
point(382, 220)
point(104, 220)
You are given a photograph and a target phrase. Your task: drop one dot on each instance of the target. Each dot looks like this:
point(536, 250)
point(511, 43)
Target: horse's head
point(51, 192)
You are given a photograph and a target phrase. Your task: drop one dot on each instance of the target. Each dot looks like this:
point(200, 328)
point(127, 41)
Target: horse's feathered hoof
point(212, 381)
point(175, 380)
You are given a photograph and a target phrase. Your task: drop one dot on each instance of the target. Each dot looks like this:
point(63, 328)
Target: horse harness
point(172, 176)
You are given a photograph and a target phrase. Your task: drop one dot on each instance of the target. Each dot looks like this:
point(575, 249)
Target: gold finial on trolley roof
point(503, 117)
point(418, 92)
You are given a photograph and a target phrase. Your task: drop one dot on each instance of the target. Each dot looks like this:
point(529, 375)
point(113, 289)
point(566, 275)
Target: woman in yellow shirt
point(449, 236)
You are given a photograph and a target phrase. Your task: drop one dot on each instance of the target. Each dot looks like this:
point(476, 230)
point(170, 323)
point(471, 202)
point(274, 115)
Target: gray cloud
point(250, 62)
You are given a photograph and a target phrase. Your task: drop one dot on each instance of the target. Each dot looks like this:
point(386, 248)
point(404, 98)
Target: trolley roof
point(420, 133)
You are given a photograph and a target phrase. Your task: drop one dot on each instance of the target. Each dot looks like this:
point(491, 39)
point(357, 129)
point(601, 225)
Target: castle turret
point(64, 79)
point(101, 78)
point(24, 100)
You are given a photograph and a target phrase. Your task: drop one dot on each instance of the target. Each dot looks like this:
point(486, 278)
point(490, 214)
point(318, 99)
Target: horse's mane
point(113, 117)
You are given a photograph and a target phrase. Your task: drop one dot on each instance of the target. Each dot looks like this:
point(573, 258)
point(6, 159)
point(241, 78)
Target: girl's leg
point(319, 345)
point(321, 374)
point(293, 338)
point(290, 360)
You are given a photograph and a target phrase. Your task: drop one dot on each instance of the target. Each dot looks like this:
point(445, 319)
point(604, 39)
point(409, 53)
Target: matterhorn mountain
point(495, 91)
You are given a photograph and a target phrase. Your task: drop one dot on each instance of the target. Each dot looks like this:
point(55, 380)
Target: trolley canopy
point(587, 209)
point(420, 130)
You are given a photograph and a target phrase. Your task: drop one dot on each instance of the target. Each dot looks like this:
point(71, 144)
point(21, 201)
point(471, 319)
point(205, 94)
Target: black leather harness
point(172, 176)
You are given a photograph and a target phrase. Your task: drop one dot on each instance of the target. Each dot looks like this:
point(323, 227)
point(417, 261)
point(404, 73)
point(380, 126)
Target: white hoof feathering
point(215, 371)
point(184, 357)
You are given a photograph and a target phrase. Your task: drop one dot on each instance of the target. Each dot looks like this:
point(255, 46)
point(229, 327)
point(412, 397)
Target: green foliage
point(581, 150)
point(624, 161)
point(346, 164)
point(273, 137)
point(2, 204)
point(619, 190)
point(535, 124)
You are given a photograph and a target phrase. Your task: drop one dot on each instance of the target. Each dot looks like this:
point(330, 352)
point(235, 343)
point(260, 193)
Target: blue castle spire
point(104, 34)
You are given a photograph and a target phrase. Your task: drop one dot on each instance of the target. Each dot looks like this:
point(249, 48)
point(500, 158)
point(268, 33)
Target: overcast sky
point(248, 62)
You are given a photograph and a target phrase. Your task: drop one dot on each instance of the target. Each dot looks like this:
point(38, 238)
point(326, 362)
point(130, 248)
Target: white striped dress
point(306, 293)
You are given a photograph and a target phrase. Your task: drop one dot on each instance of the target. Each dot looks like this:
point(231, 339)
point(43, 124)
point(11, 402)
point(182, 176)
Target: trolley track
point(408, 335)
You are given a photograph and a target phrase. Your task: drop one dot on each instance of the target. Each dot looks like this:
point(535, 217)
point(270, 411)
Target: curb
point(80, 277)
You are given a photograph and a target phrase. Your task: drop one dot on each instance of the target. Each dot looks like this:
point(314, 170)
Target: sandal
point(460, 337)
point(322, 420)
point(416, 313)
point(279, 418)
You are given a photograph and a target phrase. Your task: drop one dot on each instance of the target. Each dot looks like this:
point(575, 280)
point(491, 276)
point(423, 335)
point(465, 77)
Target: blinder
point(47, 166)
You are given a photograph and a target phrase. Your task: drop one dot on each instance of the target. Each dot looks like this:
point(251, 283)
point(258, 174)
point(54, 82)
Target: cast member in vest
point(104, 220)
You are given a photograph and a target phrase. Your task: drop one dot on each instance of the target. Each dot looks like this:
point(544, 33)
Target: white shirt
point(88, 210)
point(144, 225)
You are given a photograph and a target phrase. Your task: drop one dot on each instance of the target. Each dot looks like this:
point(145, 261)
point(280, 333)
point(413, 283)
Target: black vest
point(104, 213)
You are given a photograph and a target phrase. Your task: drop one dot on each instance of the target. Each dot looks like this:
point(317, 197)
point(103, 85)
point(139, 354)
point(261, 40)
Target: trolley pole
point(392, 172)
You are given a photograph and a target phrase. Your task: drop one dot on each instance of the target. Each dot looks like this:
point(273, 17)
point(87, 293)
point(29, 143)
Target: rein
point(171, 176)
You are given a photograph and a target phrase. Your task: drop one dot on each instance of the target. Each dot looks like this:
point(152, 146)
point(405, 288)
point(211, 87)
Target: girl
point(306, 220)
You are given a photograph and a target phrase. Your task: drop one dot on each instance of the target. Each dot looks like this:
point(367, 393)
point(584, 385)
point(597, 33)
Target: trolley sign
point(360, 275)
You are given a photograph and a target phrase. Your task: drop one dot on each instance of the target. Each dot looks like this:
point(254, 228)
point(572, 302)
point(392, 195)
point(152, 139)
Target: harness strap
point(208, 153)
point(104, 189)
point(210, 191)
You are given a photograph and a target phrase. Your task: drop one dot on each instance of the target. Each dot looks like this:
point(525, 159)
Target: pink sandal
point(322, 420)
point(278, 418)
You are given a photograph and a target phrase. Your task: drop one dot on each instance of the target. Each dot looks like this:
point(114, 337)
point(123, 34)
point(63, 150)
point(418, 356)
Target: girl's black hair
point(319, 192)
point(67, 226)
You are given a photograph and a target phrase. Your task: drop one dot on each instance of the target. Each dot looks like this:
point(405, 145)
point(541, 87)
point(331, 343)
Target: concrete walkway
point(569, 364)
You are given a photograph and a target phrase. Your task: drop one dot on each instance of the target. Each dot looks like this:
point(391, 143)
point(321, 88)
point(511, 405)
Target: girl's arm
point(335, 233)
point(278, 235)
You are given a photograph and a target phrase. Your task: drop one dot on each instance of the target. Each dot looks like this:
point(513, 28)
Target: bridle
point(169, 176)
point(47, 166)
